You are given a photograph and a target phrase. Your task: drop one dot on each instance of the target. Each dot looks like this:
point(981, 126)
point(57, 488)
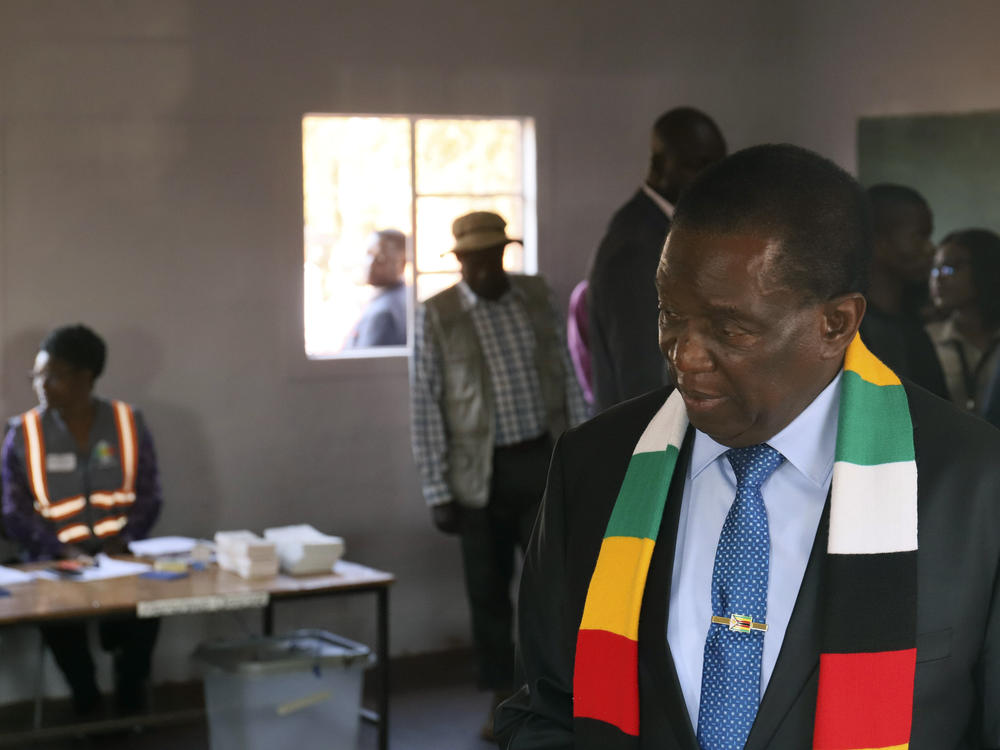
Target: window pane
point(432, 283)
point(468, 156)
point(434, 220)
point(356, 180)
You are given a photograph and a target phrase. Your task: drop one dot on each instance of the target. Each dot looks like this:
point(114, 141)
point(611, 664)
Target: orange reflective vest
point(59, 496)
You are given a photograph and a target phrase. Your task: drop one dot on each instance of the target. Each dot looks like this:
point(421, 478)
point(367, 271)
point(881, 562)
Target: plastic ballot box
point(300, 690)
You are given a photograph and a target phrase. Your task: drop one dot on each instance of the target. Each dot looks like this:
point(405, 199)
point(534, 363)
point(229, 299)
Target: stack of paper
point(303, 550)
point(246, 554)
point(162, 546)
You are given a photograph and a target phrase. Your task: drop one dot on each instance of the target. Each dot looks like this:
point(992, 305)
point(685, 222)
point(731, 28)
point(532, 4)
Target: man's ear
point(841, 317)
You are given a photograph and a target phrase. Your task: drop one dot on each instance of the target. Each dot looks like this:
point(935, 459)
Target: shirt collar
point(665, 205)
point(808, 442)
point(470, 299)
point(948, 331)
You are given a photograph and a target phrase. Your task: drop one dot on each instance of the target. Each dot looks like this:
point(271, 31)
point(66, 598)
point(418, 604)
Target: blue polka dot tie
point(730, 676)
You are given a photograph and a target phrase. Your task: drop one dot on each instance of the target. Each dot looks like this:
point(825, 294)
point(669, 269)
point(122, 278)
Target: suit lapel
point(792, 687)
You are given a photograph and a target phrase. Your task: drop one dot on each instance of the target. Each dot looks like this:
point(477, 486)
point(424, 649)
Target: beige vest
point(468, 399)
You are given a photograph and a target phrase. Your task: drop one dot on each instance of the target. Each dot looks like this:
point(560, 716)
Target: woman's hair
point(983, 247)
point(77, 345)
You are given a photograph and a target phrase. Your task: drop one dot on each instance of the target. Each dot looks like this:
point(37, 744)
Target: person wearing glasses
point(80, 478)
point(965, 288)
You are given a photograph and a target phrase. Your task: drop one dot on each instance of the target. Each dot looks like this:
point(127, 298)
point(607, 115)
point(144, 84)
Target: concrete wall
point(150, 185)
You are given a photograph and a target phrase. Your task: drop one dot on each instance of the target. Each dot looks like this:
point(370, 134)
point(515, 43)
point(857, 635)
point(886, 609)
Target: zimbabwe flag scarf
point(868, 656)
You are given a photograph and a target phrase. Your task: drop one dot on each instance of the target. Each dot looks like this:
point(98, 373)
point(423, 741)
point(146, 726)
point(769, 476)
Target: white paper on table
point(107, 567)
point(163, 545)
point(10, 576)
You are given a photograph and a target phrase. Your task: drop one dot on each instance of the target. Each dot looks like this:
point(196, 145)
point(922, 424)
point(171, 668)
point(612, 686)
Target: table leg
point(269, 618)
point(382, 651)
point(36, 721)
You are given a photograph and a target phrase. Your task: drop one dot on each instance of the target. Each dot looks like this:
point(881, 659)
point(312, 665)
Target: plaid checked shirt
point(508, 345)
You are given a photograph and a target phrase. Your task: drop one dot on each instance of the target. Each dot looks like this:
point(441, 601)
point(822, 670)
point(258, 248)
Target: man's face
point(905, 247)
point(483, 271)
point(57, 383)
point(385, 263)
point(744, 350)
point(675, 163)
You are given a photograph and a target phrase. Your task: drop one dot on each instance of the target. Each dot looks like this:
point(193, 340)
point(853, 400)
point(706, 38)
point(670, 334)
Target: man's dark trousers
point(131, 642)
point(489, 537)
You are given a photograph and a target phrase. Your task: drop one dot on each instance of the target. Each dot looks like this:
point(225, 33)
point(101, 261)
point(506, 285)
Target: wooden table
point(208, 590)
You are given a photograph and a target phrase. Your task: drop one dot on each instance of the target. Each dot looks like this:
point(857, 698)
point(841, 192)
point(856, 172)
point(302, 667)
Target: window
point(412, 174)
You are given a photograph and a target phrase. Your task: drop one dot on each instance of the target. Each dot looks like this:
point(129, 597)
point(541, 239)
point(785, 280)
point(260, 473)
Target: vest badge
point(104, 454)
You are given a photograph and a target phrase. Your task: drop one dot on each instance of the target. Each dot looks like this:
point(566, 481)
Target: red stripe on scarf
point(605, 683)
point(865, 700)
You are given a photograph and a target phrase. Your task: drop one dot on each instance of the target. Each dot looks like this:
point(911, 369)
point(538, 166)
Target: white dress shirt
point(794, 496)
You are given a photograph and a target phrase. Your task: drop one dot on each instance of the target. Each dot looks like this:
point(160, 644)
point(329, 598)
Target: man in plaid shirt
point(492, 386)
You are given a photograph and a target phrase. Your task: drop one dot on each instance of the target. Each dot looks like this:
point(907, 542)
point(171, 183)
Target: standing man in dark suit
point(621, 298)
point(735, 562)
point(902, 256)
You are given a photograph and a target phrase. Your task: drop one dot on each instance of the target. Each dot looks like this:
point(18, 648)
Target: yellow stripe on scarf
point(867, 365)
point(615, 595)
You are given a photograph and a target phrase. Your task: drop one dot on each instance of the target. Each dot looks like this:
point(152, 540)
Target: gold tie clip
point(739, 623)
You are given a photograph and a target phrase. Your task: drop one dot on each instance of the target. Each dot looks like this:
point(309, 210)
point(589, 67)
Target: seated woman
point(79, 478)
point(965, 288)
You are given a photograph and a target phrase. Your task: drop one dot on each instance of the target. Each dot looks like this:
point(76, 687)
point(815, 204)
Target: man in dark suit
point(761, 289)
point(621, 298)
point(902, 255)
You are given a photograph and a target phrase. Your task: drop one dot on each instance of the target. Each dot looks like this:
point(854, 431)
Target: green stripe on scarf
point(863, 405)
point(646, 474)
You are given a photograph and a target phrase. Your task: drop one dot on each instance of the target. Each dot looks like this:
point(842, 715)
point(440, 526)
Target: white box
point(301, 690)
point(302, 550)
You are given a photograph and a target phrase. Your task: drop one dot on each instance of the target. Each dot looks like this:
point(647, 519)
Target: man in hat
point(492, 387)
point(621, 300)
point(791, 547)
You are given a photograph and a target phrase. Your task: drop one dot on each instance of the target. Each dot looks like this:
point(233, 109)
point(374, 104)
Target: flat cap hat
point(479, 230)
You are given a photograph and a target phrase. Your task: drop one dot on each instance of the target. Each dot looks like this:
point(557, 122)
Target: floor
point(434, 705)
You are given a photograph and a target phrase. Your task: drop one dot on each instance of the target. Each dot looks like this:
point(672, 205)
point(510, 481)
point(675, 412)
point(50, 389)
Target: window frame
point(372, 360)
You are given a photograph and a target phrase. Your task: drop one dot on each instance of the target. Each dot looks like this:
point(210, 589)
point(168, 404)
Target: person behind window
point(80, 478)
point(383, 322)
point(902, 255)
point(491, 388)
point(965, 287)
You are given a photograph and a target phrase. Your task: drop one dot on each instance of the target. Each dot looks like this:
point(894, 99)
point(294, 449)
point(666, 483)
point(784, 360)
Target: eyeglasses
point(945, 270)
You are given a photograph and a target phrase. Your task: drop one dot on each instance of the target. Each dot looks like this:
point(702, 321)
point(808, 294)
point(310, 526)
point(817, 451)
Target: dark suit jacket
point(621, 299)
point(904, 346)
point(957, 688)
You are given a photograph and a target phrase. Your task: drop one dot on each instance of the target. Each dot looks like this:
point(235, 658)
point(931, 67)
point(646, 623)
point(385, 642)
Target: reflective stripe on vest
point(72, 533)
point(109, 526)
point(34, 454)
point(66, 508)
point(128, 445)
